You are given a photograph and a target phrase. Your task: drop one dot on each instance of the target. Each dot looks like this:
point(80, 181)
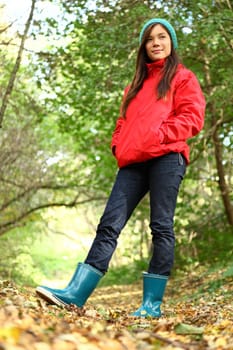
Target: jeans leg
point(129, 188)
point(166, 174)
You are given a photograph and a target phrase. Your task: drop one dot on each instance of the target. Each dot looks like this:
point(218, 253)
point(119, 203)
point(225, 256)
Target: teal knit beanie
point(166, 24)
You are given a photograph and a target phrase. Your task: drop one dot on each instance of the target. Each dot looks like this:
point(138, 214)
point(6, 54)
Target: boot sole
point(49, 297)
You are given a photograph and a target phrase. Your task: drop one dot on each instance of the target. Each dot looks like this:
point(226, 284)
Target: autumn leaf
point(10, 334)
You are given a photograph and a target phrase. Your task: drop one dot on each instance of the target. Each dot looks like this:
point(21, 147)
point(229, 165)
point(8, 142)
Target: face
point(158, 44)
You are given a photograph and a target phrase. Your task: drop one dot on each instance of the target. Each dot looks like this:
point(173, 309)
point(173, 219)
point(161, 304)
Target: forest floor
point(197, 314)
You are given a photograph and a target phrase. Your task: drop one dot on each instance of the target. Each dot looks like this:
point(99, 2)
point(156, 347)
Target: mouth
point(156, 52)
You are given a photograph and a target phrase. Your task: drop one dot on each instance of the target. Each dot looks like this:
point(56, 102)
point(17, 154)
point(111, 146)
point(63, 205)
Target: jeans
point(161, 177)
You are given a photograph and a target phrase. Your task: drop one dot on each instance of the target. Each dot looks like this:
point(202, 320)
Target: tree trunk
point(224, 188)
point(216, 123)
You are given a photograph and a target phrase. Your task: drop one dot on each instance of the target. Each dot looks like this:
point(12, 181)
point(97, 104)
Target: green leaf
point(182, 328)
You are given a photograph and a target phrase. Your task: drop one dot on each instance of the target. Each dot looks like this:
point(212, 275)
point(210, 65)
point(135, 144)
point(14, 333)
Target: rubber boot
point(153, 290)
point(61, 290)
point(83, 283)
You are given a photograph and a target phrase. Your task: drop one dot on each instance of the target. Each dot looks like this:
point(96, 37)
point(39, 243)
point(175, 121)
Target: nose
point(155, 42)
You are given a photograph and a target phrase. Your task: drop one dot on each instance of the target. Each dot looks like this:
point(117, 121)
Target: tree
point(211, 26)
point(38, 166)
point(17, 65)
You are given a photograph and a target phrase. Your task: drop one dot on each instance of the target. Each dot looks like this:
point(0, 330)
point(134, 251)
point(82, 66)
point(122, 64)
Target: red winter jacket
point(154, 127)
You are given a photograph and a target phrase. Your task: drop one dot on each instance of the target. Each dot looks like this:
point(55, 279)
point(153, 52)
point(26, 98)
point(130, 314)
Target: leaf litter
point(196, 316)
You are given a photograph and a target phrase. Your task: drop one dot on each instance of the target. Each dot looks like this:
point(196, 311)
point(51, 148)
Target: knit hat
point(166, 24)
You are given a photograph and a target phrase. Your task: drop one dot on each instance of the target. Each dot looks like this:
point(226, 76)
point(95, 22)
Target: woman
point(161, 109)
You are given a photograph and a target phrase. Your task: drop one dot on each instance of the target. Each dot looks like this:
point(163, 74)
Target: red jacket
point(154, 127)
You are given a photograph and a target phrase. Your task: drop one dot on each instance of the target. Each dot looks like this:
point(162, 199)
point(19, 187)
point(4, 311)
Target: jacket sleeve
point(120, 121)
point(189, 109)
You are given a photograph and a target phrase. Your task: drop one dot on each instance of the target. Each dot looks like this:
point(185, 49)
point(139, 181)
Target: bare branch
point(18, 221)
point(2, 30)
point(16, 66)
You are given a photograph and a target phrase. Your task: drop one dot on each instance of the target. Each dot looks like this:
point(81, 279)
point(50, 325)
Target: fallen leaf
point(182, 328)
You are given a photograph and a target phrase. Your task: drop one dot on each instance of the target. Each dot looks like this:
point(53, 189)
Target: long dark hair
point(168, 72)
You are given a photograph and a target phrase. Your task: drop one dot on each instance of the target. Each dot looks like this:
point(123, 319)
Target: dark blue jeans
point(161, 177)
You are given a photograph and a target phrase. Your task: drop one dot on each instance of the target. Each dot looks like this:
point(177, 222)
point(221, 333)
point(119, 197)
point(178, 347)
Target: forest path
point(197, 314)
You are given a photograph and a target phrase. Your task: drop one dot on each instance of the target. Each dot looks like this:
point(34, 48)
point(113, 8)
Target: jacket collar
point(155, 66)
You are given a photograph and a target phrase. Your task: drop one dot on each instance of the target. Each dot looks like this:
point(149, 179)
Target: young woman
point(162, 108)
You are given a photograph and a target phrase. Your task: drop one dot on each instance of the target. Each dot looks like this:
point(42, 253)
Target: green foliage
point(16, 261)
point(229, 271)
point(33, 255)
point(205, 247)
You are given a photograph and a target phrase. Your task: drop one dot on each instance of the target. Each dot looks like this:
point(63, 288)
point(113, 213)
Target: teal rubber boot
point(71, 282)
point(83, 283)
point(153, 290)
